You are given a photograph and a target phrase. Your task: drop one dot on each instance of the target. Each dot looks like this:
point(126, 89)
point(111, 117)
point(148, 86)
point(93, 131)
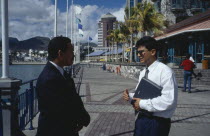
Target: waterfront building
point(188, 36)
point(105, 25)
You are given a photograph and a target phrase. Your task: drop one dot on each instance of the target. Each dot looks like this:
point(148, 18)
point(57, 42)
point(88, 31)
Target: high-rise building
point(132, 3)
point(106, 24)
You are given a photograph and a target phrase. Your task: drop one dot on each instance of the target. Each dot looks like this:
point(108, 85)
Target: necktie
point(65, 74)
point(146, 73)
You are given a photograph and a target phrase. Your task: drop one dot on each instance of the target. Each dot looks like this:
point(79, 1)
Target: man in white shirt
point(162, 106)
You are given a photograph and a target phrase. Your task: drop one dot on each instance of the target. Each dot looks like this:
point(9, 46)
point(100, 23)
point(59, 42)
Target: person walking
point(188, 68)
point(161, 107)
point(62, 112)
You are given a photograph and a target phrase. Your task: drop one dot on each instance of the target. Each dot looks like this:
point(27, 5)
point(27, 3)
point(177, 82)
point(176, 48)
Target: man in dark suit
point(62, 112)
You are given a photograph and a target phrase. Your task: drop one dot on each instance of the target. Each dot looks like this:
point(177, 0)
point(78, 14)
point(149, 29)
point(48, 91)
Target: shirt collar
point(153, 65)
point(58, 67)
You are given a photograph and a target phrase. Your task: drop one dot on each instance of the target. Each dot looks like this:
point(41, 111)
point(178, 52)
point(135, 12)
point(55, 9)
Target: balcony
point(196, 8)
point(177, 8)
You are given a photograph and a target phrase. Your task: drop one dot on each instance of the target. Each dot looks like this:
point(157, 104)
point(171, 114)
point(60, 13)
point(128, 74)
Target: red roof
point(199, 22)
point(202, 26)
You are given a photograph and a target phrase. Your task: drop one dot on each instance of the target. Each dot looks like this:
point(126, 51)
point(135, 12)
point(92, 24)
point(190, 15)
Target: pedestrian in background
point(188, 68)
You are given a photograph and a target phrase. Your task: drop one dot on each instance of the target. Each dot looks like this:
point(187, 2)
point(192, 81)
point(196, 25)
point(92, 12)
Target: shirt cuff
point(143, 104)
point(130, 96)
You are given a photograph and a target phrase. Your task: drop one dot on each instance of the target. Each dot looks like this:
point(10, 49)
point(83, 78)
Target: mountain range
point(35, 43)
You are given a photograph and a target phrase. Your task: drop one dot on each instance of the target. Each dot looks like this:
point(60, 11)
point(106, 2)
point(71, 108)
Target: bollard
point(9, 105)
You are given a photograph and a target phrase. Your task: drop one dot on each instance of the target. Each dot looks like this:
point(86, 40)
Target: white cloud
point(120, 14)
point(30, 18)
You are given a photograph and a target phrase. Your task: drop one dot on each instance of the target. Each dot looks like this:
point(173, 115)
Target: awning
point(114, 51)
point(201, 26)
point(97, 53)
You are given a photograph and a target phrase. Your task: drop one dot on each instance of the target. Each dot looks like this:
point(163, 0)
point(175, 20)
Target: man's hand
point(125, 95)
point(78, 128)
point(136, 104)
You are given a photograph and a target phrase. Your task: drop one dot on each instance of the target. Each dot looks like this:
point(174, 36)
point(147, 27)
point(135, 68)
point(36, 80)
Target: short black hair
point(188, 56)
point(148, 42)
point(56, 44)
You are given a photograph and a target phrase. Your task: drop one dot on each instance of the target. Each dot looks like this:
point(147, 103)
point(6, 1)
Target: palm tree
point(110, 37)
point(126, 35)
point(143, 18)
point(118, 37)
point(149, 20)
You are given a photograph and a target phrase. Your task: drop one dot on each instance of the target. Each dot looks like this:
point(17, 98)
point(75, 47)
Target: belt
point(150, 116)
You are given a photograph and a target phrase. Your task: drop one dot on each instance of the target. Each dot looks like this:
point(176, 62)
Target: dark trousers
point(187, 78)
point(152, 126)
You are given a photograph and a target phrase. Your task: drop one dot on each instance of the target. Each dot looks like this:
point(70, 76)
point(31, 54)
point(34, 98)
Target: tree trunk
point(117, 52)
point(131, 51)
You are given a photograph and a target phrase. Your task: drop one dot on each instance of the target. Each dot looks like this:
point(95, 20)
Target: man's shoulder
point(164, 68)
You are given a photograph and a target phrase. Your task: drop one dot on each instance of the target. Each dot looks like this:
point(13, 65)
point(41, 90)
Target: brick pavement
point(101, 93)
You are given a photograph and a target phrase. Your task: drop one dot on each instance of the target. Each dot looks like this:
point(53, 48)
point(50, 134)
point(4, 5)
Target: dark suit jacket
point(61, 108)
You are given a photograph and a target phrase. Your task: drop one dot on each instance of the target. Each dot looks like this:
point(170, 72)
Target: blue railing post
point(1, 124)
point(31, 108)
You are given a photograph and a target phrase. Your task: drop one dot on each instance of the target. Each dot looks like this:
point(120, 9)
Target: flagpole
point(67, 12)
point(72, 20)
point(88, 49)
point(55, 27)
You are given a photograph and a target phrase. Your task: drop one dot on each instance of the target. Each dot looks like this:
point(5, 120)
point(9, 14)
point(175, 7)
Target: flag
point(90, 39)
point(81, 32)
point(78, 20)
point(79, 26)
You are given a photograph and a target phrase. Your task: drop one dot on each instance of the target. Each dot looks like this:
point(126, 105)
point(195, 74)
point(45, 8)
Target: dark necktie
point(146, 73)
point(65, 74)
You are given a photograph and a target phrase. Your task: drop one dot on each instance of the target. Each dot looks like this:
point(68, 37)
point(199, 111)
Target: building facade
point(106, 24)
point(178, 10)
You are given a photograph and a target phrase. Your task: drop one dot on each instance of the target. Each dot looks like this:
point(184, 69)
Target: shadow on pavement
point(199, 91)
point(175, 121)
point(100, 94)
point(122, 133)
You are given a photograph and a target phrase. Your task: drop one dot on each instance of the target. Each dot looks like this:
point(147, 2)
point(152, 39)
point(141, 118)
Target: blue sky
point(30, 18)
point(100, 3)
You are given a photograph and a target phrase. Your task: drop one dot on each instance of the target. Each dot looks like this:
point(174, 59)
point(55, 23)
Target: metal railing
point(27, 105)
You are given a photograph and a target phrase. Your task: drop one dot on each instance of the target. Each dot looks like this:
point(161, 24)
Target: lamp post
point(5, 43)
point(8, 87)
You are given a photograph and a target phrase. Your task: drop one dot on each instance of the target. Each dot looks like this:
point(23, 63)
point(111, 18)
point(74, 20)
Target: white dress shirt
point(164, 105)
point(191, 58)
point(58, 67)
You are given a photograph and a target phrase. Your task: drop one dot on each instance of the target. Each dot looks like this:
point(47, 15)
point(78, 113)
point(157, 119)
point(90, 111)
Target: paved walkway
point(101, 92)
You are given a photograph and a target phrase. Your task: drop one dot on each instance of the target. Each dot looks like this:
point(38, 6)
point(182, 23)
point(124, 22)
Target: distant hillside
point(36, 43)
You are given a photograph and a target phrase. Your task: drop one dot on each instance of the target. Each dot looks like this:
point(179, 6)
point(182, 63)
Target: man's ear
point(153, 52)
point(60, 53)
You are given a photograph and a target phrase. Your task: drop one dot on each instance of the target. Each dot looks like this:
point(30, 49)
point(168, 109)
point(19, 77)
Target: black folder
point(147, 90)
